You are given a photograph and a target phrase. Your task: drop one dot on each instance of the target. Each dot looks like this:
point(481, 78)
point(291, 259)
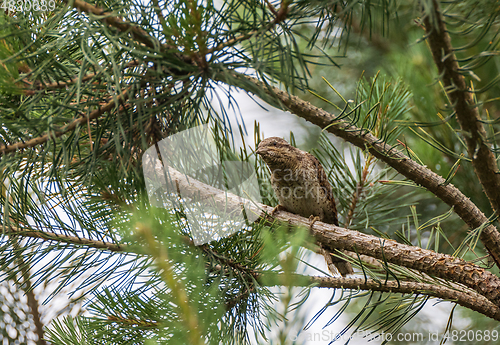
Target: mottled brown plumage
point(302, 187)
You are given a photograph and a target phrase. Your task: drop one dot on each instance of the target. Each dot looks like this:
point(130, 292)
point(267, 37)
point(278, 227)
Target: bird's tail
point(336, 264)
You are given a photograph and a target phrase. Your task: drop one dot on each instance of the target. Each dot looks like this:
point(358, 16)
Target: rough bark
point(468, 299)
point(465, 209)
point(363, 139)
point(427, 261)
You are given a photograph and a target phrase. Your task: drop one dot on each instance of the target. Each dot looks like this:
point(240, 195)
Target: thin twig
point(67, 128)
point(279, 17)
point(375, 39)
point(177, 289)
point(30, 295)
point(73, 240)
point(357, 193)
point(63, 84)
point(136, 32)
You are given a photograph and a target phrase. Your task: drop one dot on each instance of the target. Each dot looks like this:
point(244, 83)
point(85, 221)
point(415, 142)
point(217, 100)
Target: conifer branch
point(177, 289)
point(406, 166)
point(143, 37)
point(199, 59)
point(427, 261)
point(468, 298)
point(72, 240)
point(466, 111)
point(56, 133)
point(358, 28)
point(467, 210)
point(134, 322)
point(454, 292)
point(357, 193)
point(464, 208)
point(27, 287)
point(458, 294)
point(33, 305)
point(136, 32)
point(432, 263)
point(63, 84)
point(444, 266)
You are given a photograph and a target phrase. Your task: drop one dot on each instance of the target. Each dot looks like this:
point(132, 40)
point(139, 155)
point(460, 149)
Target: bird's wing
point(330, 217)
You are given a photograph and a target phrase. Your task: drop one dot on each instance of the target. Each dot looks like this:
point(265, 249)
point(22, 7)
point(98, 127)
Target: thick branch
point(361, 138)
point(454, 292)
point(435, 264)
point(33, 305)
point(483, 159)
point(432, 263)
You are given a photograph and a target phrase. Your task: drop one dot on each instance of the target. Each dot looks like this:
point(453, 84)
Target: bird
point(302, 187)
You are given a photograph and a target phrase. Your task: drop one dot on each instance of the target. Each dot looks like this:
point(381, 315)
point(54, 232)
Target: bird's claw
point(313, 219)
point(277, 209)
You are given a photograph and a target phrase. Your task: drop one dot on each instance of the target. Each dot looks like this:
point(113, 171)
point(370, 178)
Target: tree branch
point(483, 159)
point(67, 128)
point(467, 210)
point(356, 195)
point(427, 261)
point(434, 264)
point(363, 139)
point(468, 299)
point(63, 84)
point(437, 264)
point(143, 37)
point(454, 293)
point(27, 287)
point(357, 27)
point(464, 208)
point(136, 32)
point(74, 240)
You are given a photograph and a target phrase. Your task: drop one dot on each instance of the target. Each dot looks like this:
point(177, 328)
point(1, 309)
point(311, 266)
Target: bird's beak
point(261, 150)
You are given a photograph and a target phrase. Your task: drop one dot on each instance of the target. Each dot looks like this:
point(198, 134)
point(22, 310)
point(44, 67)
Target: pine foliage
point(86, 88)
